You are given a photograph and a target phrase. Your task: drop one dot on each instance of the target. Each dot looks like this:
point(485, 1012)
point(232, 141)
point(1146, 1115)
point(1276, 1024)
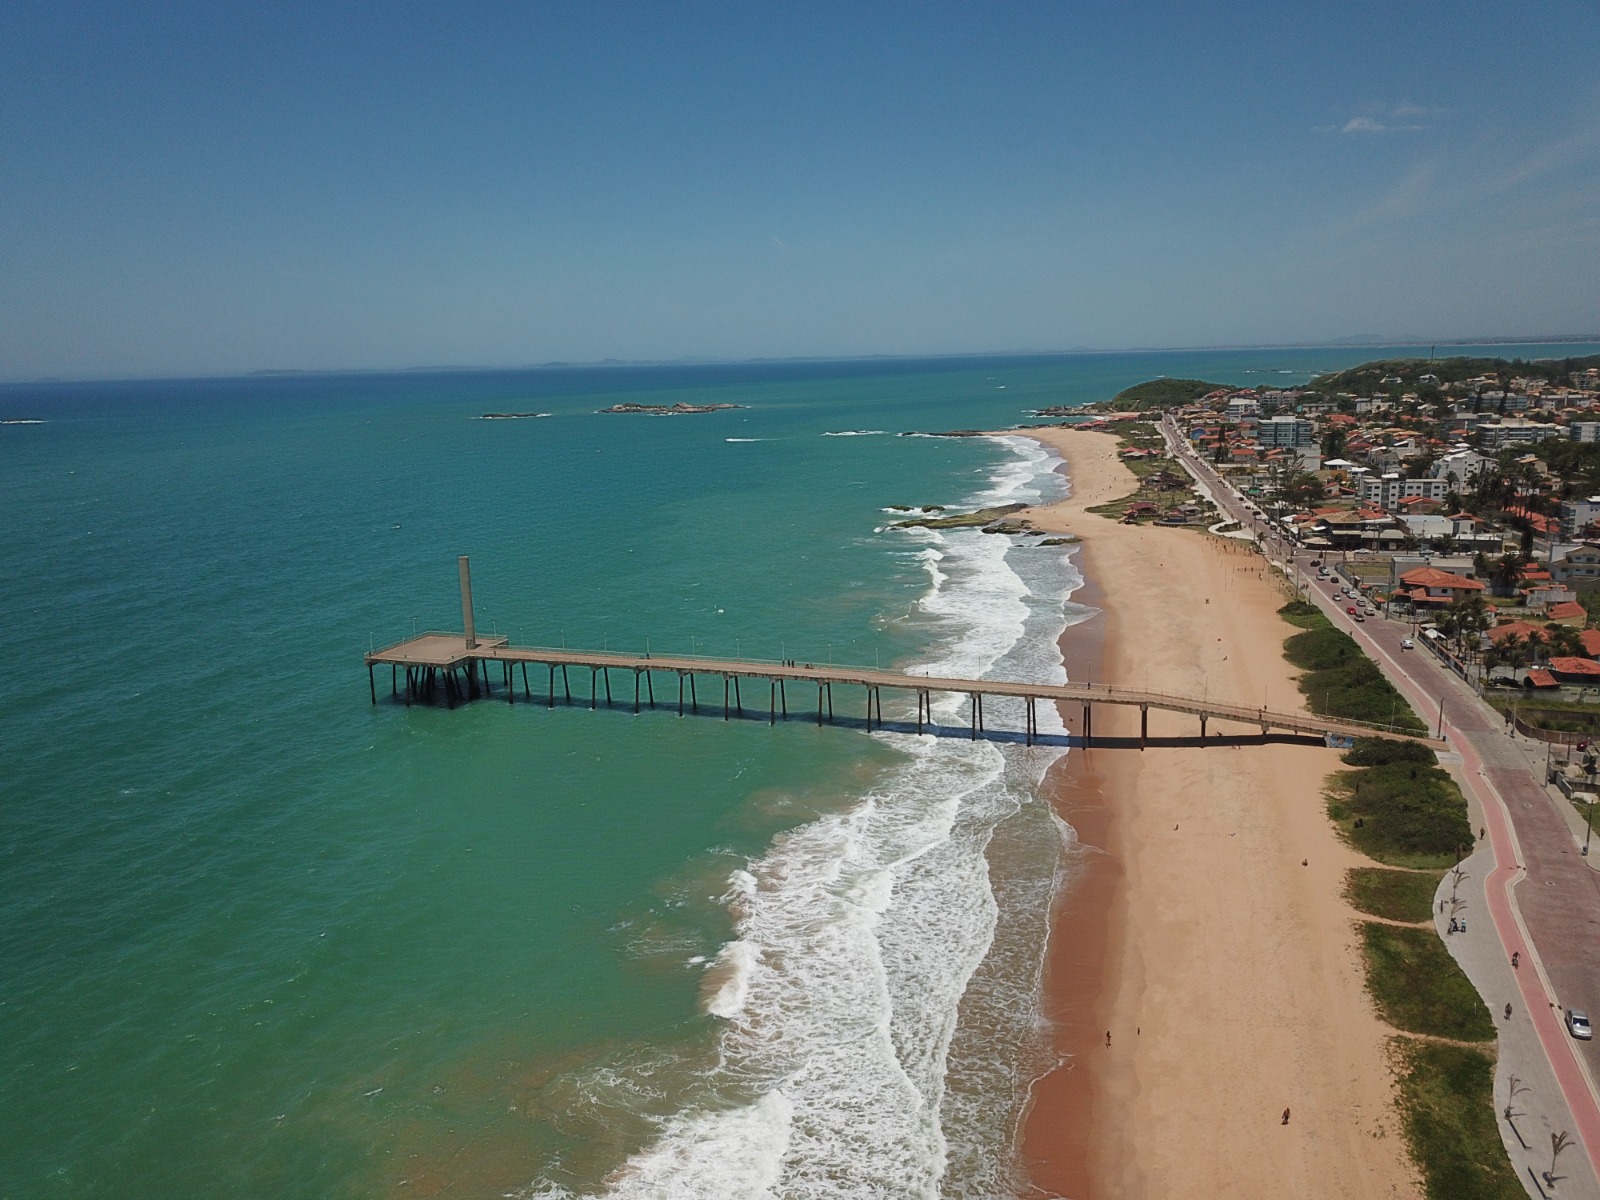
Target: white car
point(1408, 644)
point(1578, 1024)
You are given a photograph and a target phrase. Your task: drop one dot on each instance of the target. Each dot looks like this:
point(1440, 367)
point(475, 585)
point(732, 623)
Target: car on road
point(1578, 1024)
point(1360, 617)
point(1407, 644)
point(1351, 609)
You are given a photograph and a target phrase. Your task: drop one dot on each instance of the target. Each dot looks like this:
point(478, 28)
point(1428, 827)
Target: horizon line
point(1355, 343)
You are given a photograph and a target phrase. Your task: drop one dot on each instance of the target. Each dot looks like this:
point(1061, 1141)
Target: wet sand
point(1225, 970)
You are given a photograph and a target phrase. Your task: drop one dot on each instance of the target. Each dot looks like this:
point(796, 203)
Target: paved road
point(1543, 898)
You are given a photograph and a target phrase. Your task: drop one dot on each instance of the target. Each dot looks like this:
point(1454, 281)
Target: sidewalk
point(1540, 1109)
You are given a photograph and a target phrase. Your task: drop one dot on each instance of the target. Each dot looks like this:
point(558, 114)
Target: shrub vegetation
point(1390, 894)
point(1448, 1112)
point(1418, 987)
point(1340, 681)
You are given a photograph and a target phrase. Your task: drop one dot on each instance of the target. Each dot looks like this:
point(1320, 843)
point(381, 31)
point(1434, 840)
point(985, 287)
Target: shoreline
point(1210, 908)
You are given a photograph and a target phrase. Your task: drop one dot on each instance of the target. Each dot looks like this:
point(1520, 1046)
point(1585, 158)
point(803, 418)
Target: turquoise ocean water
point(263, 939)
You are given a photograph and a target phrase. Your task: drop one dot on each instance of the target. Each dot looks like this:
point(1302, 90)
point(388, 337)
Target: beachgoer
point(1508, 1012)
point(1108, 1039)
point(1286, 1116)
point(1516, 957)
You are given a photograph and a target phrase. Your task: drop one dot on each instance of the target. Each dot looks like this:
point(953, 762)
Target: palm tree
point(1536, 643)
point(1507, 572)
point(1564, 641)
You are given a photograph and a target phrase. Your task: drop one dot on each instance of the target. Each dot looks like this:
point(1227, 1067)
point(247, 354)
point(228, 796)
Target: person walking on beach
point(1286, 1116)
point(1108, 1039)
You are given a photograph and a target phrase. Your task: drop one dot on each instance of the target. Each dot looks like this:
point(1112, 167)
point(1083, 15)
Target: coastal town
point(1464, 500)
point(1433, 526)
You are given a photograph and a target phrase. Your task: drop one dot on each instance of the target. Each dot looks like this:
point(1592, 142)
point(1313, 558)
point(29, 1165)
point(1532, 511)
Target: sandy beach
point(1208, 935)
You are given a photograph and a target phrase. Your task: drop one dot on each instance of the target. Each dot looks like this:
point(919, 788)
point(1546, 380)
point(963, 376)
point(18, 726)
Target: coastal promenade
point(459, 665)
point(1542, 896)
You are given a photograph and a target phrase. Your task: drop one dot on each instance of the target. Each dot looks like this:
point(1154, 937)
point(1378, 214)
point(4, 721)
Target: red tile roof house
point(1575, 670)
point(1591, 642)
point(1519, 629)
point(1567, 612)
point(1429, 585)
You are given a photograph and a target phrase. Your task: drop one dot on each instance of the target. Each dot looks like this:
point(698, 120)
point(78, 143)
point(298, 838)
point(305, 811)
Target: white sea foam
point(855, 433)
point(744, 439)
point(842, 1068)
point(22, 421)
point(731, 970)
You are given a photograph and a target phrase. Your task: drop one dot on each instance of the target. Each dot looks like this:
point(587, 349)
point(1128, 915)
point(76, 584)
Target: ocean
point(266, 939)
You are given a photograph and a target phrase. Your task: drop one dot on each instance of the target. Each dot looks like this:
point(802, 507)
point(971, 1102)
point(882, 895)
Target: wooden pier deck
point(459, 666)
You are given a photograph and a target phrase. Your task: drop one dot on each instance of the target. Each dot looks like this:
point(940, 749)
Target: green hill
point(1162, 394)
point(1367, 379)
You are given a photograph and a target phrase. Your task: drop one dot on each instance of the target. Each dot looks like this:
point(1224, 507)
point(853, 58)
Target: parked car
point(1408, 644)
point(1578, 1024)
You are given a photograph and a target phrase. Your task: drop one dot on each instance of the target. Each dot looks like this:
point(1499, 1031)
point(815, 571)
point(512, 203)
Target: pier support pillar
point(680, 693)
point(1202, 727)
point(694, 700)
point(594, 688)
point(552, 692)
point(725, 685)
point(783, 700)
point(394, 675)
point(526, 695)
point(636, 693)
point(372, 686)
point(772, 702)
point(650, 687)
point(819, 703)
point(566, 683)
point(1144, 725)
point(1088, 723)
point(974, 702)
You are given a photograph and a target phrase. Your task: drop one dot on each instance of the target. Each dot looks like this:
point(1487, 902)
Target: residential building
point(1429, 585)
point(1515, 431)
point(1386, 491)
point(1577, 565)
point(1584, 431)
point(1287, 431)
point(1578, 515)
point(1459, 467)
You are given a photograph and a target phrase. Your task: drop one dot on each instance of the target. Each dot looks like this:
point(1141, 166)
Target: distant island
point(510, 416)
point(669, 410)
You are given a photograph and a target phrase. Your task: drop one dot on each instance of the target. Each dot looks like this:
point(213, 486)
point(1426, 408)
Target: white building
point(1287, 431)
point(1584, 431)
point(1514, 432)
point(1387, 490)
point(1578, 515)
point(1459, 467)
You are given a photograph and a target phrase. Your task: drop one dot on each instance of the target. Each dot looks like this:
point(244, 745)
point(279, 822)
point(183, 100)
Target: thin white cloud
point(1390, 118)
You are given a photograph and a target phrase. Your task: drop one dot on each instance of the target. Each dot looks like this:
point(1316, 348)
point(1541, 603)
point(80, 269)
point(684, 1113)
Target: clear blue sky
point(214, 187)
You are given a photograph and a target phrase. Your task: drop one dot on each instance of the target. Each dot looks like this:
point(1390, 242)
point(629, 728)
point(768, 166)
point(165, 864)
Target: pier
point(461, 667)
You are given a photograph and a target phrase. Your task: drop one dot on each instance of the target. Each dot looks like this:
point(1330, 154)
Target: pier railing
point(436, 657)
